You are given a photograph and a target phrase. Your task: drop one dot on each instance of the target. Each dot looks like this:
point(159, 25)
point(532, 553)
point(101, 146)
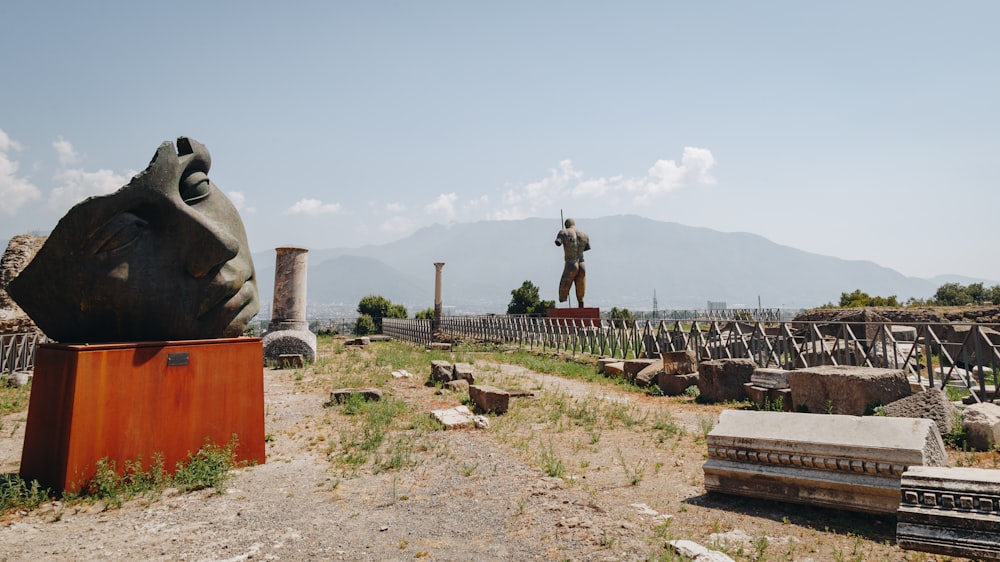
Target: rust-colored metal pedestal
point(127, 401)
point(577, 317)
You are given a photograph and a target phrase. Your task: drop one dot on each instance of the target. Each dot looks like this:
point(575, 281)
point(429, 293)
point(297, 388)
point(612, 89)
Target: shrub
point(364, 325)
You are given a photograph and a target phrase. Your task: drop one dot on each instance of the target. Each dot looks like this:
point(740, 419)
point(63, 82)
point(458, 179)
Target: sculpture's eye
point(195, 187)
point(118, 234)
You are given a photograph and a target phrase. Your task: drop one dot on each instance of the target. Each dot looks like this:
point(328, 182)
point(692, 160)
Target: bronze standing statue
point(574, 243)
point(163, 258)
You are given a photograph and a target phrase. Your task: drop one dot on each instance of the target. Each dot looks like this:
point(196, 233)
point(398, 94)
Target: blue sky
point(863, 130)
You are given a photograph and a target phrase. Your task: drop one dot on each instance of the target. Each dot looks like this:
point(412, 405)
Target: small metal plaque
point(177, 359)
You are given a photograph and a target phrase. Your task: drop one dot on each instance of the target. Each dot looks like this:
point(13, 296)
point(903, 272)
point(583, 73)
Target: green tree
point(525, 300)
point(425, 314)
point(621, 317)
point(379, 307)
point(860, 299)
point(952, 294)
point(364, 325)
point(956, 294)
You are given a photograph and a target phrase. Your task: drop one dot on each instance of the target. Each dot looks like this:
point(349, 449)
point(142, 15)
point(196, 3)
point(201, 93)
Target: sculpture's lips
point(228, 300)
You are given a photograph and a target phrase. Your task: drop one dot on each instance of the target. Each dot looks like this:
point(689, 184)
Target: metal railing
point(17, 351)
point(932, 353)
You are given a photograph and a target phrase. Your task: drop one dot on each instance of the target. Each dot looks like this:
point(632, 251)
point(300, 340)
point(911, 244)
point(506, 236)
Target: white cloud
point(474, 204)
point(663, 176)
point(76, 185)
point(240, 201)
point(443, 205)
point(395, 207)
point(313, 207)
point(397, 225)
point(64, 148)
point(7, 143)
point(15, 191)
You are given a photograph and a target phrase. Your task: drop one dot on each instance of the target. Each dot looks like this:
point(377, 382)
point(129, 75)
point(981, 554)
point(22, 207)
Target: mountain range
point(631, 259)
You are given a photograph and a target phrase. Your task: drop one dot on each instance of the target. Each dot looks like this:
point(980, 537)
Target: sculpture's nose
point(209, 247)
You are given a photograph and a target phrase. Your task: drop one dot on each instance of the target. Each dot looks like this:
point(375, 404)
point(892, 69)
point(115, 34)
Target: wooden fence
point(17, 352)
point(934, 354)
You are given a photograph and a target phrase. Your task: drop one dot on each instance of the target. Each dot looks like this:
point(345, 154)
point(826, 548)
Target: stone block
point(459, 385)
point(632, 367)
point(672, 385)
point(615, 369)
point(903, 333)
point(341, 395)
point(464, 371)
point(843, 462)
point(648, 375)
point(604, 361)
point(950, 511)
point(438, 346)
point(359, 342)
point(441, 371)
point(982, 425)
point(680, 362)
point(770, 378)
point(291, 361)
point(773, 399)
point(489, 399)
point(845, 389)
point(723, 379)
point(931, 404)
point(458, 417)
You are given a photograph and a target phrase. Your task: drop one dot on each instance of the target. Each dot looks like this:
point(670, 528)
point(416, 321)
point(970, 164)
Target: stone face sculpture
point(164, 258)
point(574, 243)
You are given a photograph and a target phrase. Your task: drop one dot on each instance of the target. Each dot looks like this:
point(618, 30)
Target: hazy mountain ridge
point(631, 257)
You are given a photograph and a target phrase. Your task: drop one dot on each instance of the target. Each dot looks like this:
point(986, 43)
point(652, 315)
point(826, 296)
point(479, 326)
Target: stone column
point(288, 332)
point(437, 294)
point(288, 311)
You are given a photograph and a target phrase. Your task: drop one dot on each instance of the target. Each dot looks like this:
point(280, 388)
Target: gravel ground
point(467, 495)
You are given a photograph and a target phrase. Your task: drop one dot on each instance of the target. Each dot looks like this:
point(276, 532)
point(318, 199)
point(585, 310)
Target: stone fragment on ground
point(441, 371)
point(846, 389)
point(460, 385)
point(950, 511)
point(680, 362)
point(604, 361)
point(360, 342)
point(770, 378)
point(720, 380)
point(842, 462)
point(672, 385)
point(649, 375)
point(463, 371)
point(438, 346)
point(489, 399)
point(982, 425)
point(458, 417)
point(614, 369)
point(341, 395)
point(402, 374)
point(698, 553)
point(931, 404)
point(291, 361)
point(632, 367)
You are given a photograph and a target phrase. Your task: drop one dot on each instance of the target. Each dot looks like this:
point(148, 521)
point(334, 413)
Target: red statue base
point(130, 401)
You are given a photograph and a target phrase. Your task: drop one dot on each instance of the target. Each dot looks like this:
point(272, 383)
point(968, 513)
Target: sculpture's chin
point(240, 310)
